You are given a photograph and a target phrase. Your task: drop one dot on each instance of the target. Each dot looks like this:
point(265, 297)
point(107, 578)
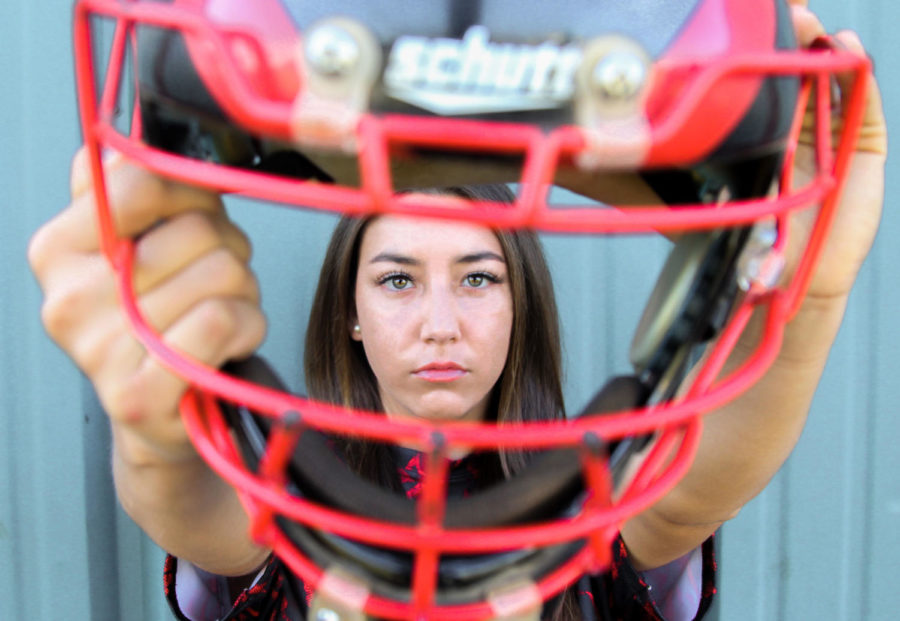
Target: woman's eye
point(477, 280)
point(398, 282)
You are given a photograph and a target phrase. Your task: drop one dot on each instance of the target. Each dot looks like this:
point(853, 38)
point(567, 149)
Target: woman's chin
point(434, 416)
point(442, 411)
point(437, 406)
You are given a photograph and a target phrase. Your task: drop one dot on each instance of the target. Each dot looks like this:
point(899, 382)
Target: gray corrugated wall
point(822, 542)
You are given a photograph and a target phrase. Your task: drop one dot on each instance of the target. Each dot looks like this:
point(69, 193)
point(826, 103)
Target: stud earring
point(357, 330)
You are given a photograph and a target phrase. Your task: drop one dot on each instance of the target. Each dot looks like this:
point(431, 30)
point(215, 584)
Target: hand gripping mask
point(336, 105)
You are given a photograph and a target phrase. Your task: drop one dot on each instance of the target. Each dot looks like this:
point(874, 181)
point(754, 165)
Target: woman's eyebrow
point(390, 257)
point(402, 259)
point(474, 257)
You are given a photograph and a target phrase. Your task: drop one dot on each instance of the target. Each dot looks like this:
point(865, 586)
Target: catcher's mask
point(334, 105)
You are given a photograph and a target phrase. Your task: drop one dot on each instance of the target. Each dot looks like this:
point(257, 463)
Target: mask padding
point(292, 164)
point(322, 475)
point(167, 74)
point(691, 299)
point(550, 487)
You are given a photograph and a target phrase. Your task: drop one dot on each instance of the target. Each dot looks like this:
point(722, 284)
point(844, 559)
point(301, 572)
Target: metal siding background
point(822, 542)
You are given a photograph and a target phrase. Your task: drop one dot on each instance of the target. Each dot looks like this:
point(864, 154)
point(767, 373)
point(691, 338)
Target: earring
point(357, 330)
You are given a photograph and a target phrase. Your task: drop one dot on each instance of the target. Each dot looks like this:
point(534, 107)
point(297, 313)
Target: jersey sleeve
point(197, 595)
point(679, 591)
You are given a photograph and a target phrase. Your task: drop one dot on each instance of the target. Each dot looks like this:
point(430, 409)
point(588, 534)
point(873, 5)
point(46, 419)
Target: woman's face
point(435, 313)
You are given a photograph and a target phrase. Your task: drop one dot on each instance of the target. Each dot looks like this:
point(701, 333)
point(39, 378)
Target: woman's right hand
point(193, 284)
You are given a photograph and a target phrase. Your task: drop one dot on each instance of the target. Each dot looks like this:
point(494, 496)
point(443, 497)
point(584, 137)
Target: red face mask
point(335, 109)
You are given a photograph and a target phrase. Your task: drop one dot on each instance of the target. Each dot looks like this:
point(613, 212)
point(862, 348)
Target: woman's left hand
point(746, 441)
point(859, 211)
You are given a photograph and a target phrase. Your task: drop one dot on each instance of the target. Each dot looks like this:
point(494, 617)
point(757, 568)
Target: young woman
point(440, 321)
point(195, 287)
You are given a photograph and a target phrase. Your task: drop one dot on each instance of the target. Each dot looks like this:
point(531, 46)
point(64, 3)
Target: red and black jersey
point(619, 594)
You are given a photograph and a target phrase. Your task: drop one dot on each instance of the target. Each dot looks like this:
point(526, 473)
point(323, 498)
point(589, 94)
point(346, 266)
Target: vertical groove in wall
point(873, 20)
point(856, 417)
point(606, 258)
point(879, 19)
point(13, 352)
point(781, 548)
point(103, 575)
point(872, 404)
point(763, 564)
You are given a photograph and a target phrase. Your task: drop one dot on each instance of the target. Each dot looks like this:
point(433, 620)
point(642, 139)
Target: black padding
point(551, 487)
point(166, 74)
point(292, 164)
point(549, 482)
point(691, 300)
point(624, 392)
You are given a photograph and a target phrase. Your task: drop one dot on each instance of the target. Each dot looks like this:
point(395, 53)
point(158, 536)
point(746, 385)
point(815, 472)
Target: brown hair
point(529, 388)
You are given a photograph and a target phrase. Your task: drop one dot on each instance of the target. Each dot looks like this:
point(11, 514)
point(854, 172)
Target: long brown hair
point(529, 388)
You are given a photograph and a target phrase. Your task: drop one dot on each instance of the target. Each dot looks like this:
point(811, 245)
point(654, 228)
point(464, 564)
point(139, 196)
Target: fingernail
point(849, 40)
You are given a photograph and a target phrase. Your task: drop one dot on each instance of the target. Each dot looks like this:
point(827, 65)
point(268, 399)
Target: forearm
point(744, 443)
point(185, 508)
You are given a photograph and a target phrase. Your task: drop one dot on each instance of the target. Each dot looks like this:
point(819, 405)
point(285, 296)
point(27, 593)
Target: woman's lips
point(440, 372)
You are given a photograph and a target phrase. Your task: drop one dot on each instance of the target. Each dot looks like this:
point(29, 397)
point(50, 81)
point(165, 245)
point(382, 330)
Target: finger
point(138, 199)
point(204, 297)
point(798, 2)
point(217, 274)
point(82, 313)
point(873, 132)
point(168, 248)
point(159, 254)
point(78, 293)
point(81, 178)
point(211, 333)
point(807, 25)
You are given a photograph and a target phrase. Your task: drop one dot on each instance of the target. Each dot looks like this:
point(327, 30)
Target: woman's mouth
point(440, 372)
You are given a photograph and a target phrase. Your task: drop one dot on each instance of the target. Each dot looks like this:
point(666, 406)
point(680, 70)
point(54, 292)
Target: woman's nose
point(440, 320)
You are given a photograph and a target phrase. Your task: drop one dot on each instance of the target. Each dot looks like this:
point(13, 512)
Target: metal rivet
point(331, 50)
point(326, 614)
point(619, 75)
point(291, 418)
point(438, 442)
point(760, 265)
point(593, 443)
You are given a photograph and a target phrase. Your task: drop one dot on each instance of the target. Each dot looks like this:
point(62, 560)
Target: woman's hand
point(194, 286)
point(746, 441)
point(192, 281)
point(859, 212)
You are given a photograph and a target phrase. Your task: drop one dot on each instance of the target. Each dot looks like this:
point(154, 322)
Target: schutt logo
point(474, 75)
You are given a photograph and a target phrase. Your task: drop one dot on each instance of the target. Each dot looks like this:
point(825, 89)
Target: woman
point(196, 288)
point(352, 372)
point(439, 321)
